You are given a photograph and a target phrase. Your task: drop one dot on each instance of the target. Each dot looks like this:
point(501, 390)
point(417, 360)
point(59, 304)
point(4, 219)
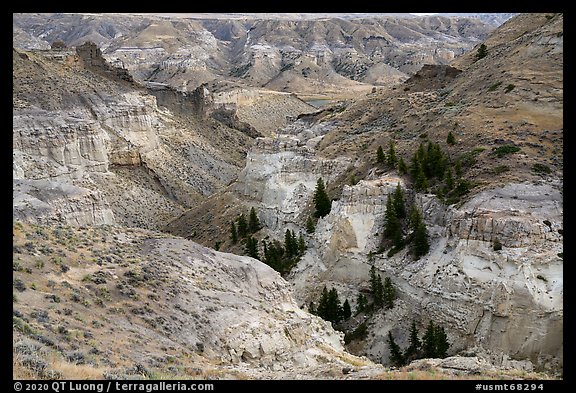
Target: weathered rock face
point(47, 202)
point(504, 301)
point(281, 174)
point(72, 125)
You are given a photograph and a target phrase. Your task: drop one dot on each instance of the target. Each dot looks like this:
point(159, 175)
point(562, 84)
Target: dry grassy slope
point(475, 106)
point(52, 85)
point(97, 303)
point(116, 303)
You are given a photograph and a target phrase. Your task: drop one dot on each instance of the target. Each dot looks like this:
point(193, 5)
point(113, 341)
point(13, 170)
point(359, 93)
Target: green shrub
point(506, 149)
point(494, 86)
point(497, 244)
point(541, 168)
point(509, 88)
point(359, 333)
point(500, 169)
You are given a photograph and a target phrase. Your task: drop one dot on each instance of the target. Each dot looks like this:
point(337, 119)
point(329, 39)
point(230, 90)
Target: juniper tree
point(321, 200)
point(450, 139)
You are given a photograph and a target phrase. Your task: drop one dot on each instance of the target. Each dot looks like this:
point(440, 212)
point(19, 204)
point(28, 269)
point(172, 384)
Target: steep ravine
point(503, 302)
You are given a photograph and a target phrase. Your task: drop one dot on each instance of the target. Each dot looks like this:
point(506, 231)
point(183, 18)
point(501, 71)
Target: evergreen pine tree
point(290, 244)
point(253, 221)
point(411, 352)
point(233, 233)
point(361, 303)
point(391, 157)
point(402, 168)
point(312, 308)
point(450, 139)
point(322, 308)
point(388, 293)
point(421, 181)
point(482, 52)
point(398, 202)
point(415, 217)
point(420, 243)
point(242, 226)
point(441, 342)
point(379, 293)
point(251, 248)
point(396, 357)
point(392, 227)
point(310, 228)
point(380, 157)
point(346, 310)
point(429, 341)
point(377, 288)
point(458, 169)
point(334, 310)
point(301, 245)
point(322, 202)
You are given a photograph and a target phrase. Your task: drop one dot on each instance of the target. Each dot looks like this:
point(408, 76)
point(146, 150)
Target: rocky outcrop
point(502, 300)
point(196, 103)
point(46, 202)
point(91, 57)
point(74, 126)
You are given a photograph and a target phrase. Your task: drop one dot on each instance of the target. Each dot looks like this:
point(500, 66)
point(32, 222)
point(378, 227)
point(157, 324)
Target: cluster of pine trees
point(401, 229)
point(430, 169)
point(383, 294)
point(434, 344)
point(283, 257)
point(329, 307)
point(240, 228)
